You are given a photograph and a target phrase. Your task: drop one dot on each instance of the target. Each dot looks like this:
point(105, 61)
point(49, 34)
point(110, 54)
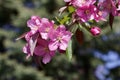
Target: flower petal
point(26, 49)
point(63, 45)
point(67, 36)
point(39, 50)
point(44, 36)
point(53, 45)
point(46, 58)
point(52, 53)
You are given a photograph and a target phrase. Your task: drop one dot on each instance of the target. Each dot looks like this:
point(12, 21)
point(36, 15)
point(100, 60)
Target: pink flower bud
point(95, 31)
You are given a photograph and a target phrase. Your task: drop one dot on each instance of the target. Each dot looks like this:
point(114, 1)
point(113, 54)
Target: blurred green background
point(96, 58)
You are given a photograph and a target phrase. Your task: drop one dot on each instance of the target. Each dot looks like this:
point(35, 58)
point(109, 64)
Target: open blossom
point(100, 15)
point(46, 27)
point(59, 39)
point(108, 6)
point(43, 51)
point(41, 25)
point(86, 12)
point(95, 31)
point(31, 43)
point(34, 23)
point(79, 3)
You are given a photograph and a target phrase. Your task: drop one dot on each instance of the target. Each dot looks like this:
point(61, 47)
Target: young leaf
point(65, 19)
point(111, 19)
point(71, 9)
point(58, 20)
point(79, 36)
point(73, 29)
point(69, 51)
point(33, 42)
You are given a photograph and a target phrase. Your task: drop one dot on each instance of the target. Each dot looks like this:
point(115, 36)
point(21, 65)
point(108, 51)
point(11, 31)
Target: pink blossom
point(108, 6)
point(59, 38)
point(28, 35)
point(95, 31)
point(34, 23)
point(118, 8)
point(45, 28)
point(41, 25)
point(67, 0)
point(31, 43)
point(26, 50)
point(79, 3)
point(43, 51)
point(118, 5)
point(86, 12)
point(100, 15)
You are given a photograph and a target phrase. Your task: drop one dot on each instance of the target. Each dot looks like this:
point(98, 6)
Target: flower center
point(100, 13)
point(87, 12)
point(82, 1)
point(47, 29)
point(59, 38)
point(46, 49)
point(109, 6)
point(35, 28)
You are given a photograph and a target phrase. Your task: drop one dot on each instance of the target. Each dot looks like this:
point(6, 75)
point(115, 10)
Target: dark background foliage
point(94, 58)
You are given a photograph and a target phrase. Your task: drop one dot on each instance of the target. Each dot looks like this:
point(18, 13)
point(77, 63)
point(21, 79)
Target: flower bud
point(95, 31)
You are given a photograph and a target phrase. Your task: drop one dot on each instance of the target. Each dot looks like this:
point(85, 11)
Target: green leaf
point(80, 26)
point(71, 9)
point(58, 20)
point(69, 51)
point(65, 19)
point(73, 29)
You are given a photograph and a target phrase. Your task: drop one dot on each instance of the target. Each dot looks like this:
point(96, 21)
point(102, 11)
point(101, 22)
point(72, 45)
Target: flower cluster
point(87, 11)
point(45, 38)
point(94, 9)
